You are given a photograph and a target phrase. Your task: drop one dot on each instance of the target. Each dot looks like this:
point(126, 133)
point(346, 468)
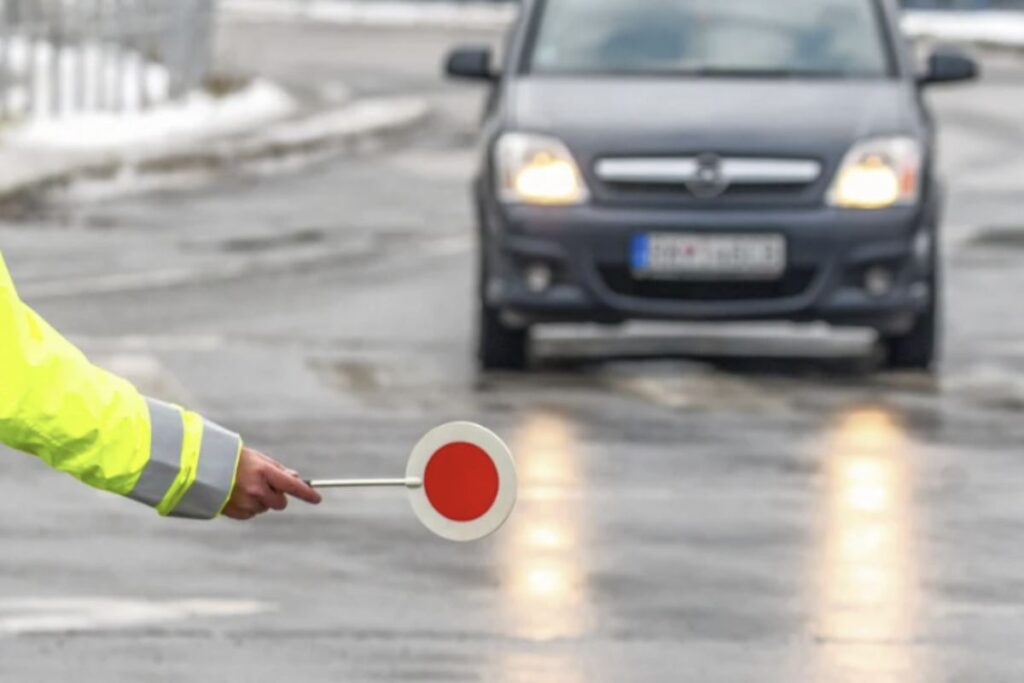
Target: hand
point(261, 484)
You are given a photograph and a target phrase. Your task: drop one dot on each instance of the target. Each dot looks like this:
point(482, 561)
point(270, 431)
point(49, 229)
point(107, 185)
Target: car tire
point(918, 349)
point(499, 347)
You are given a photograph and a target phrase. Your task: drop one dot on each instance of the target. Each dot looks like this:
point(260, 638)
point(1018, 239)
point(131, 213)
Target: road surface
point(681, 519)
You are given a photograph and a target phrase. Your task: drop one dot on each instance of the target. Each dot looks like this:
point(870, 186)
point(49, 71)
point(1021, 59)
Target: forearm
point(85, 421)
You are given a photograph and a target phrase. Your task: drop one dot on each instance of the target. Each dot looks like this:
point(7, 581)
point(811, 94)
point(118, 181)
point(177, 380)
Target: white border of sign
point(500, 455)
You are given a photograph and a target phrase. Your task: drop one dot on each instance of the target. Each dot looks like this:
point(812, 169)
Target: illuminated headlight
point(537, 169)
point(877, 174)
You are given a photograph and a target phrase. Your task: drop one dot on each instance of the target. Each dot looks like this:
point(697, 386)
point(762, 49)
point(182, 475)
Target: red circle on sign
point(461, 482)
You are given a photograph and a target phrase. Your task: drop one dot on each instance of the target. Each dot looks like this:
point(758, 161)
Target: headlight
point(877, 174)
point(536, 169)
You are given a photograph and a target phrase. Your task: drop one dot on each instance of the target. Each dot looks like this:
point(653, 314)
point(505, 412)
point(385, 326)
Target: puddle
point(258, 242)
point(999, 237)
point(349, 376)
point(988, 387)
point(275, 241)
point(393, 380)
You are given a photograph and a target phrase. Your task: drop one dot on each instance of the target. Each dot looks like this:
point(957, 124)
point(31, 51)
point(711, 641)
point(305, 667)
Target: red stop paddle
point(460, 478)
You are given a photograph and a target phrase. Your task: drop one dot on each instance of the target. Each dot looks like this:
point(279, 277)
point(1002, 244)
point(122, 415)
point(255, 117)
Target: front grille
point(658, 191)
point(707, 179)
point(793, 283)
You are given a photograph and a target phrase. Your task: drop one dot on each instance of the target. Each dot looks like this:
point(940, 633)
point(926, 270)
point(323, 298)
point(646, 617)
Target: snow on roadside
point(196, 117)
point(1004, 28)
point(77, 99)
point(378, 12)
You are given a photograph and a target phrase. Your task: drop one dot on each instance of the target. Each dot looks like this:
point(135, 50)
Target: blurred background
point(261, 209)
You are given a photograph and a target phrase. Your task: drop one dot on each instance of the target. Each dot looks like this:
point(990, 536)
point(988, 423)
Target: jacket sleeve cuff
point(213, 470)
point(215, 474)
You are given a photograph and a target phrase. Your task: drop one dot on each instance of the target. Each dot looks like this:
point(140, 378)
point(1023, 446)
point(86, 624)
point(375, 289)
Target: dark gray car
point(708, 160)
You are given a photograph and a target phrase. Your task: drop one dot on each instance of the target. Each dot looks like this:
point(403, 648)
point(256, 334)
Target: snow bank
point(378, 12)
point(81, 99)
point(196, 117)
point(1004, 28)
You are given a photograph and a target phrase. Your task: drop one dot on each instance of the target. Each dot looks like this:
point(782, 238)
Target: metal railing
point(64, 56)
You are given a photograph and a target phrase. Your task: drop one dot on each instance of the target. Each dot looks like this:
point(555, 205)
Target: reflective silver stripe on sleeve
point(214, 474)
point(167, 431)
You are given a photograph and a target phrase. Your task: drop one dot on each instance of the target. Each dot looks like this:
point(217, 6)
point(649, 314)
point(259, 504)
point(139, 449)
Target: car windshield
point(756, 38)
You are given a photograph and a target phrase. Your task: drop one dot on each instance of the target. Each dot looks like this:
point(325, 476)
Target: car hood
point(813, 117)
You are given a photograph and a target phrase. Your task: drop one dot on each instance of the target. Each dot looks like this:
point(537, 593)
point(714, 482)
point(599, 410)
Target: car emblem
point(708, 181)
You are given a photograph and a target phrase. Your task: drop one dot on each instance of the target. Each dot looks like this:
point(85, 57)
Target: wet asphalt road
point(710, 519)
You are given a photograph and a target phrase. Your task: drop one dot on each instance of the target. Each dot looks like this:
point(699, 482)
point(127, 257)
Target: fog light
point(878, 281)
point(538, 277)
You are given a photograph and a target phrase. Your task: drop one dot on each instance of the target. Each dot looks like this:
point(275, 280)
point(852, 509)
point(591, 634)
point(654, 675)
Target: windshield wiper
point(716, 72)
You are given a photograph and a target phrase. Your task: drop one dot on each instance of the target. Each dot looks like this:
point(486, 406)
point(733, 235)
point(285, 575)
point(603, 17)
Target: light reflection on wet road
point(543, 551)
point(868, 573)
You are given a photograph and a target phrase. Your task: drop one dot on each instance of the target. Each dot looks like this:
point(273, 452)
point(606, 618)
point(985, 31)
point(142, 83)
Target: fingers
point(261, 496)
point(282, 481)
point(275, 500)
point(262, 484)
point(246, 508)
point(283, 468)
point(237, 513)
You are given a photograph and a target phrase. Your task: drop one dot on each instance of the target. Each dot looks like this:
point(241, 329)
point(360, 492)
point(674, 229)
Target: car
point(708, 160)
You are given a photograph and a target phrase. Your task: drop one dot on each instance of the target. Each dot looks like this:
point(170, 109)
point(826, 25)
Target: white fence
point(59, 57)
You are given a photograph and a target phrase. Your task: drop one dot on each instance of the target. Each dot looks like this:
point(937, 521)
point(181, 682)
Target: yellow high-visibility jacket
point(95, 426)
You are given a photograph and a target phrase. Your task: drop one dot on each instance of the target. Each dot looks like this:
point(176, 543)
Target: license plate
point(710, 256)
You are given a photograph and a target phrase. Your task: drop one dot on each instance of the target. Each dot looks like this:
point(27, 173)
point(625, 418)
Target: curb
point(361, 122)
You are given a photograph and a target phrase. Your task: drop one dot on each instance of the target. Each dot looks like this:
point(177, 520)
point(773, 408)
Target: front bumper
point(828, 252)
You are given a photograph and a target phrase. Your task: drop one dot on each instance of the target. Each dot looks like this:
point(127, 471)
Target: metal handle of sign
point(409, 483)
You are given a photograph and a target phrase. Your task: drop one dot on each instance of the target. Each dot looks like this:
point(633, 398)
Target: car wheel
point(499, 347)
point(918, 349)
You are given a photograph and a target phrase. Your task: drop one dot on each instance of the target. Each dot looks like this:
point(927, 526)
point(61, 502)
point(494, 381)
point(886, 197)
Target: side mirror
point(472, 63)
point(949, 65)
